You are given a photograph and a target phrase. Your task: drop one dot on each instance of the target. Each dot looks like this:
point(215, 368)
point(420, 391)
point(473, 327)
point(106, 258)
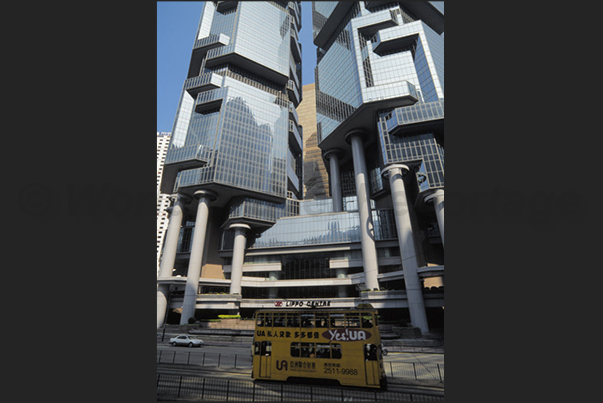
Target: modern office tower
point(316, 179)
point(380, 105)
point(163, 201)
point(242, 236)
point(235, 153)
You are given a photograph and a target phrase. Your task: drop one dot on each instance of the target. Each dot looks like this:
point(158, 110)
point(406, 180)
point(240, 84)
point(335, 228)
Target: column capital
point(239, 225)
point(437, 194)
point(205, 193)
point(356, 132)
point(335, 152)
point(391, 170)
point(175, 197)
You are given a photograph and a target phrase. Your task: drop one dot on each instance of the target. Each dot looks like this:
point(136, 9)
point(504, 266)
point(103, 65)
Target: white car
point(186, 340)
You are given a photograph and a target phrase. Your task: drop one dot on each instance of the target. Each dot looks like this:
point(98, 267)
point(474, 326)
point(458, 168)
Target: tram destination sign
point(301, 303)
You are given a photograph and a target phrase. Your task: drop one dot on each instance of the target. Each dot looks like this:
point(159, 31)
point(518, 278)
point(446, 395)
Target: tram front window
point(367, 320)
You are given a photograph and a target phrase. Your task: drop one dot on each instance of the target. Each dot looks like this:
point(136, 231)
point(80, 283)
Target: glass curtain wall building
point(380, 114)
point(244, 236)
point(234, 158)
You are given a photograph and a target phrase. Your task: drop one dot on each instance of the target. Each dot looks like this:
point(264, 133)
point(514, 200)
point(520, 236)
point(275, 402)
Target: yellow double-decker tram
point(339, 344)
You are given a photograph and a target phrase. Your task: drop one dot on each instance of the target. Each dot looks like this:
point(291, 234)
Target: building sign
point(311, 303)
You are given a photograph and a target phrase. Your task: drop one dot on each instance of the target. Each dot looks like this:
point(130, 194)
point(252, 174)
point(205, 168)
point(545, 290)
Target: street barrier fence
point(412, 370)
point(192, 387)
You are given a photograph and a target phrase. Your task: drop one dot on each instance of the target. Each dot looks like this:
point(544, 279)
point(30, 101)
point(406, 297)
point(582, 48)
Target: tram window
point(367, 319)
point(259, 319)
point(307, 350)
point(322, 320)
point(268, 320)
point(279, 319)
point(266, 348)
point(307, 320)
point(323, 351)
point(292, 320)
point(294, 349)
point(337, 320)
point(370, 352)
point(352, 320)
point(336, 351)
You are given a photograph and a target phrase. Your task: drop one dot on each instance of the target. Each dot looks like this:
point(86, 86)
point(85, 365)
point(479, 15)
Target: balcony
point(225, 5)
point(210, 100)
point(421, 9)
point(372, 23)
point(293, 114)
point(293, 93)
point(295, 137)
point(204, 82)
point(291, 175)
point(295, 10)
point(201, 47)
point(403, 91)
point(293, 71)
point(386, 41)
point(295, 46)
point(228, 54)
point(410, 118)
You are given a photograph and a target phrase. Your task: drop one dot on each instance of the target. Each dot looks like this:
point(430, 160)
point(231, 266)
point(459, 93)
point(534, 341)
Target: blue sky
point(177, 23)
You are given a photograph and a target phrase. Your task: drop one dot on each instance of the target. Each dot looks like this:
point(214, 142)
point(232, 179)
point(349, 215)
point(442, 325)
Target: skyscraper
point(234, 165)
point(235, 152)
point(380, 105)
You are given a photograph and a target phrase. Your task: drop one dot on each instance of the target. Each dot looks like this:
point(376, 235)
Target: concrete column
point(437, 198)
point(238, 256)
point(196, 257)
point(273, 291)
point(439, 209)
point(414, 288)
point(367, 235)
point(169, 254)
point(335, 179)
point(171, 236)
point(341, 289)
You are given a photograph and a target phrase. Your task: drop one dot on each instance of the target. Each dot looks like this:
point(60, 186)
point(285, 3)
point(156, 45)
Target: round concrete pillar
point(169, 254)
point(238, 257)
point(367, 235)
point(335, 179)
point(414, 287)
point(196, 257)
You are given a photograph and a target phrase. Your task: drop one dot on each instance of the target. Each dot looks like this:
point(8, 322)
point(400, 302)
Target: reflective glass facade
point(234, 118)
point(380, 72)
point(237, 133)
point(316, 224)
point(378, 52)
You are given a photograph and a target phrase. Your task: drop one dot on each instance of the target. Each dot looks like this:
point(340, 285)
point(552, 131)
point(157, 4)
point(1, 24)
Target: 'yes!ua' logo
point(278, 303)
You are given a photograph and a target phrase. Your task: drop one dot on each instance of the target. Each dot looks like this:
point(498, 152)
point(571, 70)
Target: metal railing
point(203, 359)
point(192, 387)
point(409, 370)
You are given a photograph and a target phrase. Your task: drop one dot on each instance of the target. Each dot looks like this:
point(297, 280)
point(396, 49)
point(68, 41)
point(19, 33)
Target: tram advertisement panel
point(336, 344)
